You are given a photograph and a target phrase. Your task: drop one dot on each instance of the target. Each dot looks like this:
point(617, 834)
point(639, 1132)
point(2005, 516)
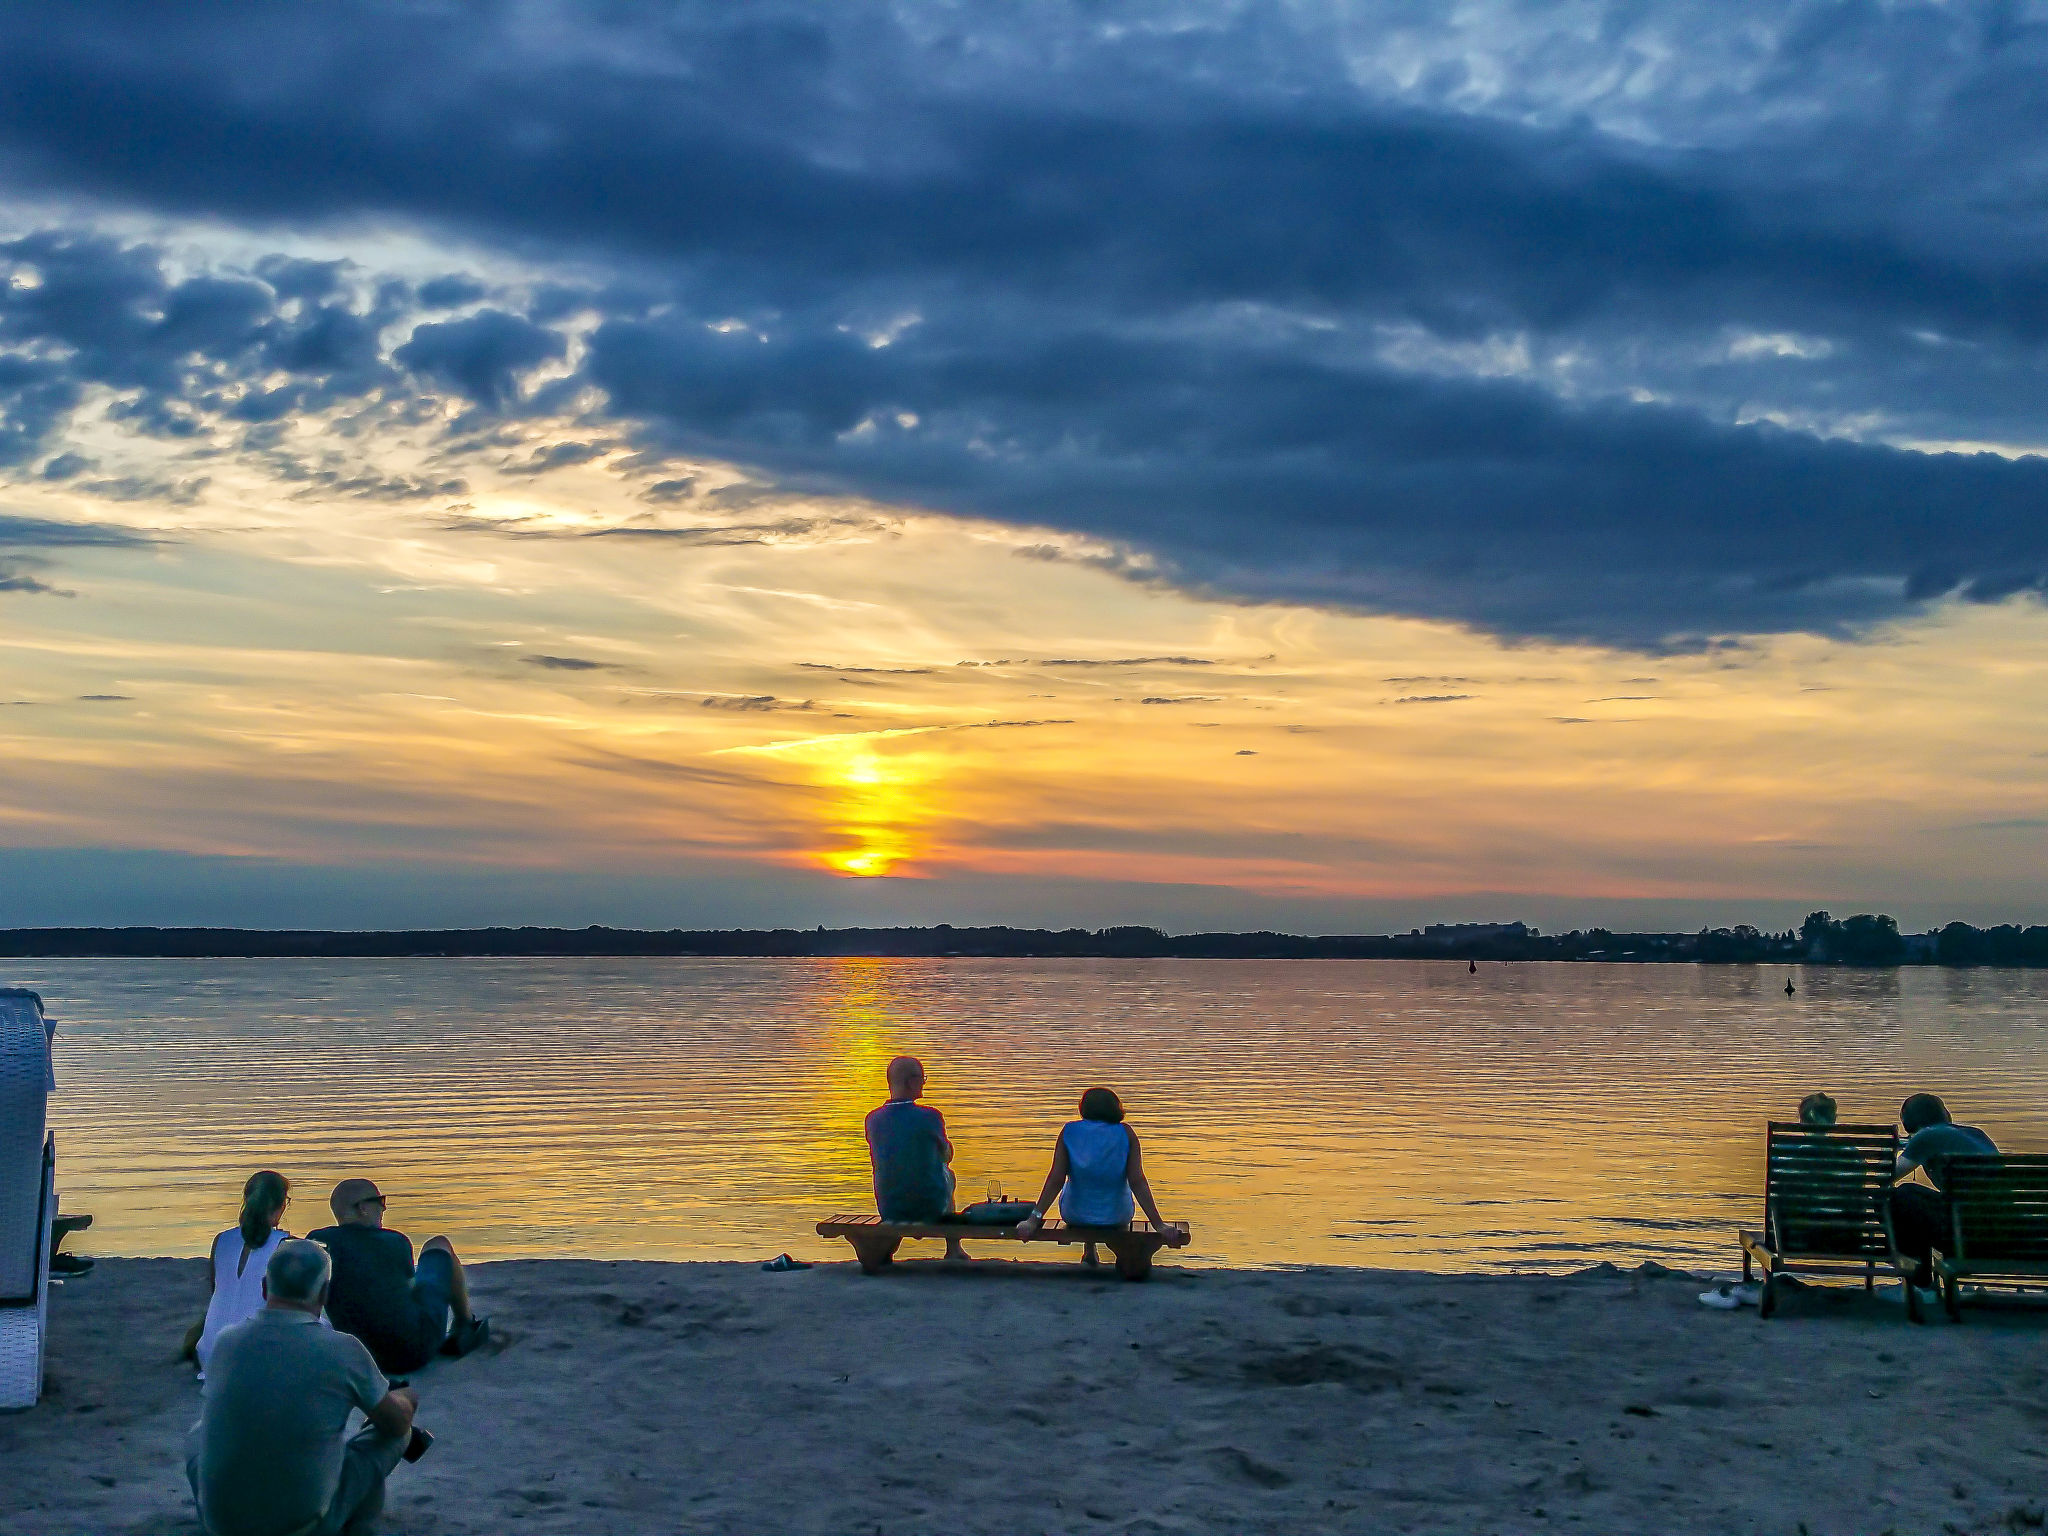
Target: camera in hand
point(420, 1442)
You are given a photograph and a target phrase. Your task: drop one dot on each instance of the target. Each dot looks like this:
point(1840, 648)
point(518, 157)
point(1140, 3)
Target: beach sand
point(645, 1397)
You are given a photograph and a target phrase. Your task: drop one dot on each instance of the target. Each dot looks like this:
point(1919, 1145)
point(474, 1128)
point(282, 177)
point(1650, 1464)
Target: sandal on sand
point(466, 1337)
point(783, 1261)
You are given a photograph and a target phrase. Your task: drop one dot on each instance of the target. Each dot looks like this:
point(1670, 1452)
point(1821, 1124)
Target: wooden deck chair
point(1825, 1195)
point(1998, 1214)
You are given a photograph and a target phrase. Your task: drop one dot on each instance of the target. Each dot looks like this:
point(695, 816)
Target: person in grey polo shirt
point(267, 1457)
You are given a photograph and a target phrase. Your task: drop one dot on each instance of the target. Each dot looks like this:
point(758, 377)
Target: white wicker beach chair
point(28, 1197)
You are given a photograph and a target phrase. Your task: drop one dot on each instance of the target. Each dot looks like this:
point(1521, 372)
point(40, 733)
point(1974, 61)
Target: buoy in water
point(1789, 988)
point(1471, 967)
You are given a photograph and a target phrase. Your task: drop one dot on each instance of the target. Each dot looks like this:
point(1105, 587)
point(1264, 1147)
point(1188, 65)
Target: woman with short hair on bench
point(1097, 1171)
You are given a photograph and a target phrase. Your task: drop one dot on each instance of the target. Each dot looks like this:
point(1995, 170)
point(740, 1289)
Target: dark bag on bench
point(995, 1213)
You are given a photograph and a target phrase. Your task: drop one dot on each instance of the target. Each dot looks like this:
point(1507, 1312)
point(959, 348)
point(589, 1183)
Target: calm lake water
point(1376, 1112)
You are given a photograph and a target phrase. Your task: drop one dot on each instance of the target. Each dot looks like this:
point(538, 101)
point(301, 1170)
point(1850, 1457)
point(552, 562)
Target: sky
point(1330, 467)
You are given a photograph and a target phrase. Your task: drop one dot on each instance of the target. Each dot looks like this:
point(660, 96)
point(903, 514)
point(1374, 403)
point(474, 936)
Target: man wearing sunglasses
point(405, 1314)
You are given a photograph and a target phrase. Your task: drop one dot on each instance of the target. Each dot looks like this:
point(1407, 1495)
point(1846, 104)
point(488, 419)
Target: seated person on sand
point(238, 1259)
point(911, 1155)
point(267, 1457)
point(1920, 1219)
point(405, 1315)
point(1096, 1171)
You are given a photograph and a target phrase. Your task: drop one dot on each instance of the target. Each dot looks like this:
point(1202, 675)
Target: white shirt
point(237, 1286)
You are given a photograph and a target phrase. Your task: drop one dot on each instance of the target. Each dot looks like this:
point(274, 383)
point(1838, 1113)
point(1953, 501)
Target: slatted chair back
point(2000, 1208)
point(1825, 1186)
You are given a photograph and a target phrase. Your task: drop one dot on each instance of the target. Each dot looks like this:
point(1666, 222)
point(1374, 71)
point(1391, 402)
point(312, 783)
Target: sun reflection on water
point(861, 1021)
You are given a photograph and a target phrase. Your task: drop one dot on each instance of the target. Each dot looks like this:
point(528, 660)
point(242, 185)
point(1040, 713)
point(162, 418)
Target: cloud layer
point(1505, 319)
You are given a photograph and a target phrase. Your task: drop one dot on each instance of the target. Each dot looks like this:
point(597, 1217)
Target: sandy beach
point(643, 1397)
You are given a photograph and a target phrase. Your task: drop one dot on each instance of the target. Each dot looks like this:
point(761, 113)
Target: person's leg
point(440, 1292)
point(359, 1497)
point(953, 1248)
point(1920, 1224)
point(433, 1299)
point(458, 1283)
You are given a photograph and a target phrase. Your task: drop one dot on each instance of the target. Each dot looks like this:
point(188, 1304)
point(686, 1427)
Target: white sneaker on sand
point(1727, 1296)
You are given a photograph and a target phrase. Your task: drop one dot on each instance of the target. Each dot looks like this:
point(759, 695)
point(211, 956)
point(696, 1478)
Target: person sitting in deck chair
point(405, 1315)
point(1096, 1171)
point(907, 1145)
point(1920, 1219)
point(1817, 1113)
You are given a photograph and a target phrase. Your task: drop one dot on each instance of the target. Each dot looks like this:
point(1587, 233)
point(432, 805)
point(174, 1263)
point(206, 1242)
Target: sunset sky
point(1315, 466)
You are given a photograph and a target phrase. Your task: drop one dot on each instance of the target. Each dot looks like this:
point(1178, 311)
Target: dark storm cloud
point(480, 356)
point(1191, 289)
point(177, 355)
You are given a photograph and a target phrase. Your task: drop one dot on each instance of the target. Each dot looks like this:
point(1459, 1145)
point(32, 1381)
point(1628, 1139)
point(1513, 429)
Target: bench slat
point(1054, 1230)
point(2000, 1207)
point(1989, 1268)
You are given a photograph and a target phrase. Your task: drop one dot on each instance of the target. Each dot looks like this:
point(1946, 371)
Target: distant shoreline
point(1955, 945)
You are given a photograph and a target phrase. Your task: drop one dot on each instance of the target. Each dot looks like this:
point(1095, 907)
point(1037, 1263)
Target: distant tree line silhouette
point(1862, 940)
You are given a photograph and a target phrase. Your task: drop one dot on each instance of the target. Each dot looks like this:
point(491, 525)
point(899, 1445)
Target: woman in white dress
point(239, 1257)
point(1097, 1171)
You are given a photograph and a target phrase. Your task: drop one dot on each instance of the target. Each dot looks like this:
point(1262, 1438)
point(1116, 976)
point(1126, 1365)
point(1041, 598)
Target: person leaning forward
point(267, 1457)
point(1920, 1216)
point(405, 1314)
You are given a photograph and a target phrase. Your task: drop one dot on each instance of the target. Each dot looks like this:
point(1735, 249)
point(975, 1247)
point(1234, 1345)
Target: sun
point(879, 804)
point(878, 801)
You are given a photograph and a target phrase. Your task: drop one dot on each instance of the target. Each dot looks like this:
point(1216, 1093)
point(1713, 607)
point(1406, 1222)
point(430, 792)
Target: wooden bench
point(1826, 1191)
point(1998, 1210)
point(875, 1241)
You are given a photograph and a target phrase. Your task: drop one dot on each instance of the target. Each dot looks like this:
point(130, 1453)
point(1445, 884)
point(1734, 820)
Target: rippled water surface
point(1386, 1113)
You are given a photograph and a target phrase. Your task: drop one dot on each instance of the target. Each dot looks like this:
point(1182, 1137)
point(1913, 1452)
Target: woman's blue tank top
point(1097, 1193)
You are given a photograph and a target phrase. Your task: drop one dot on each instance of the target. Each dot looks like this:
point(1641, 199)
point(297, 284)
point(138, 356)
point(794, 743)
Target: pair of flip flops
point(783, 1261)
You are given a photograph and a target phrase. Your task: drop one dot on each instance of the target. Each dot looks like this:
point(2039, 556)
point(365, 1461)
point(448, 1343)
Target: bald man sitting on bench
point(911, 1155)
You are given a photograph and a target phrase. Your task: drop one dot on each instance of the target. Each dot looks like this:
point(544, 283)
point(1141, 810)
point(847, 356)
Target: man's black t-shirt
point(371, 1295)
